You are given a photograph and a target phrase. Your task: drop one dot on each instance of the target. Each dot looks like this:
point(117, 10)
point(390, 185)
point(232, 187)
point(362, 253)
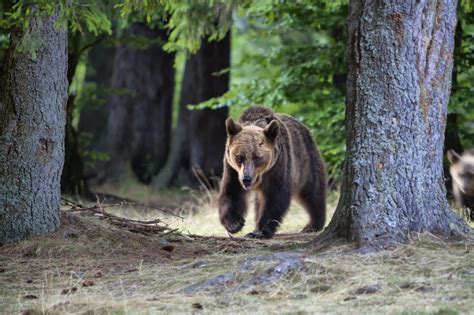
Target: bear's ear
point(453, 157)
point(271, 130)
point(232, 127)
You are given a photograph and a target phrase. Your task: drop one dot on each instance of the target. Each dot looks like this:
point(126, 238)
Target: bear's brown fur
point(273, 155)
point(462, 173)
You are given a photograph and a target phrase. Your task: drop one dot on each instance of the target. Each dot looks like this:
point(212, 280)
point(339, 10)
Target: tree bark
point(199, 140)
point(139, 123)
point(32, 120)
point(400, 58)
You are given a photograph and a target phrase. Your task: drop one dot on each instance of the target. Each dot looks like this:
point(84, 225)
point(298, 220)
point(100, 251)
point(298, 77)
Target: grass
point(198, 209)
point(117, 272)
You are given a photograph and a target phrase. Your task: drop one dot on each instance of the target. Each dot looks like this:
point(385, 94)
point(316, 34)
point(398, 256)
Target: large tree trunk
point(93, 117)
point(32, 119)
point(199, 140)
point(139, 123)
point(400, 61)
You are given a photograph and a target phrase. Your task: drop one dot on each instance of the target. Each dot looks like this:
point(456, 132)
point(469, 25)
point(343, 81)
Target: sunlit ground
point(198, 210)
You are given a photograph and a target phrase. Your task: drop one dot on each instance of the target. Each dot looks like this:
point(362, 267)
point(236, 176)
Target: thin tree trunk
point(32, 120)
point(400, 60)
point(452, 140)
point(176, 170)
point(93, 118)
point(72, 178)
point(199, 140)
point(139, 123)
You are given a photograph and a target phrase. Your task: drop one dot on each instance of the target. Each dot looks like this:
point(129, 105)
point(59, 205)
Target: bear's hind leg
point(313, 199)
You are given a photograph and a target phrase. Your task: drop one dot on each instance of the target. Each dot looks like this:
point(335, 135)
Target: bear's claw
point(235, 225)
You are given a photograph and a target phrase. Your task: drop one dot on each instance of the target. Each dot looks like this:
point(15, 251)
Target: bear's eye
point(257, 159)
point(239, 159)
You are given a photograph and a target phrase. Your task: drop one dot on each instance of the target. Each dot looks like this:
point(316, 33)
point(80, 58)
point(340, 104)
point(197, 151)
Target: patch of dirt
point(86, 250)
point(85, 237)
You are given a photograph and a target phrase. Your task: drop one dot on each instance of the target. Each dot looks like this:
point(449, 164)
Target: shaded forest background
point(148, 94)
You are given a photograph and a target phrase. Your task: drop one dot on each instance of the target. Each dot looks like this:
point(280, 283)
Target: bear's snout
point(247, 181)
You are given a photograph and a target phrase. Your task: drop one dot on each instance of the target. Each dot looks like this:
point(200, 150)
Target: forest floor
point(90, 266)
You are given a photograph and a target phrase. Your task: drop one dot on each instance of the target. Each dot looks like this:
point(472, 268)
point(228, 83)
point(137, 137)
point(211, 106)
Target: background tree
point(92, 106)
point(81, 40)
point(393, 176)
point(72, 177)
point(200, 27)
point(459, 134)
point(199, 141)
point(32, 119)
point(274, 45)
point(139, 123)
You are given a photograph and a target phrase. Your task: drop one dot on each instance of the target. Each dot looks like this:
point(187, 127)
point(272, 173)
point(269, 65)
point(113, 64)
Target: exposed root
point(323, 241)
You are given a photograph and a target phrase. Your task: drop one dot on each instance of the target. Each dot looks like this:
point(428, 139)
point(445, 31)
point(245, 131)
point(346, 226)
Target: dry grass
point(129, 273)
point(198, 209)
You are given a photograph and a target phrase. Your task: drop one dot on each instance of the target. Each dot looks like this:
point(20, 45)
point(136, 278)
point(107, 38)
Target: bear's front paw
point(233, 224)
point(260, 234)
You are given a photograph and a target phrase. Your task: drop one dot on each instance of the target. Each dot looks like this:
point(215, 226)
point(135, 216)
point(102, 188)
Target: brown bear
point(462, 173)
point(274, 156)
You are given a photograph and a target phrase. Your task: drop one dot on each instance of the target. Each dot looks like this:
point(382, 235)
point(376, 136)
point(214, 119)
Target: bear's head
point(251, 150)
point(462, 171)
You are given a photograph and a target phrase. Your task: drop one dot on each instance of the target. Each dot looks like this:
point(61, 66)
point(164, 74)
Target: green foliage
point(290, 56)
point(189, 21)
point(86, 17)
point(80, 15)
point(461, 101)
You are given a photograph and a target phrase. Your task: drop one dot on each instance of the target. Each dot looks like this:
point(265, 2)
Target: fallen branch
point(145, 227)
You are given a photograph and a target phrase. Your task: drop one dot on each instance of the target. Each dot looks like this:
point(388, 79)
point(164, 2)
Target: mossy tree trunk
point(400, 58)
point(138, 127)
point(199, 139)
point(32, 120)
